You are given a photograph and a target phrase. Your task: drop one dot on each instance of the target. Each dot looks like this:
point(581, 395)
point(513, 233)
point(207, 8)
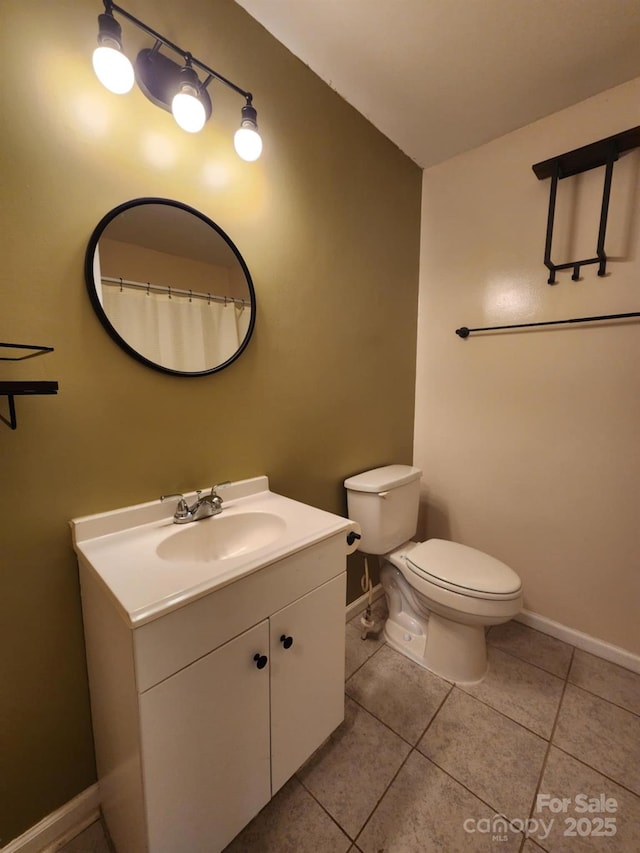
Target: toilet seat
point(462, 570)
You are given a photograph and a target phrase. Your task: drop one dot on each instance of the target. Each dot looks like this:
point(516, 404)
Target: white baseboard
point(60, 826)
point(594, 646)
point(360, 603)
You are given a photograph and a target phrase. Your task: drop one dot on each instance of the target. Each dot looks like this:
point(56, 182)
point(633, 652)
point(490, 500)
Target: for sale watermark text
point(581, 815)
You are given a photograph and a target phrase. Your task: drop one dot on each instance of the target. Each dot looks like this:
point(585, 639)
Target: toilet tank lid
point(381, 479)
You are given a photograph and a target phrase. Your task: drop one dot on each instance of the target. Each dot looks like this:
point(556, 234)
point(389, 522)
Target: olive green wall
point(328, 222)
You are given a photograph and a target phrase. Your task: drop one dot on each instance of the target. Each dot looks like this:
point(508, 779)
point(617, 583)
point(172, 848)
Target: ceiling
point(439, 77)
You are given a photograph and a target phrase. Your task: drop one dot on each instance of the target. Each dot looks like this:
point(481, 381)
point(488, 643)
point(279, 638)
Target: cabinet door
point(205, 748)
point(307, 679)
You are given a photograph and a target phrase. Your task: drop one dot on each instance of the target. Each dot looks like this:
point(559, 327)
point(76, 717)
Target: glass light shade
point(113, 69)
point(248, 143)
point(188, 111)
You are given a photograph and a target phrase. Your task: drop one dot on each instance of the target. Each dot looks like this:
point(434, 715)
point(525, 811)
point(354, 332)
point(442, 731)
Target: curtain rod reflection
point(171, 291)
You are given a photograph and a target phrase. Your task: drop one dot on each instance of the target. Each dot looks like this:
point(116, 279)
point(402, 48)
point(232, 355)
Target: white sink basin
point(221, 537)
point(152, 566)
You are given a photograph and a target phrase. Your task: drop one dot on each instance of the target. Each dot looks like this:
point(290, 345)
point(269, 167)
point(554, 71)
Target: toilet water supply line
point(368, 624)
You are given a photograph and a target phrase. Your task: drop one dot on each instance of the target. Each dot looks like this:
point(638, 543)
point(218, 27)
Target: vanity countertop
point(123, 547)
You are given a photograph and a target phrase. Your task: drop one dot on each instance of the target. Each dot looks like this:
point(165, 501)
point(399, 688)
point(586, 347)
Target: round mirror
point(170, 287)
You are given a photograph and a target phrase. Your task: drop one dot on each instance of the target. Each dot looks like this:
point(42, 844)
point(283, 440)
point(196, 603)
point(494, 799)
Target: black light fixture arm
point(110, 8)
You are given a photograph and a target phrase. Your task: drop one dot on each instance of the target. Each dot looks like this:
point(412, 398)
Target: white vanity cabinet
point(201, 714)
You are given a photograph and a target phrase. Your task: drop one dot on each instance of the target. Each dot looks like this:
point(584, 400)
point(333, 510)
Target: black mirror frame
point(102, 316)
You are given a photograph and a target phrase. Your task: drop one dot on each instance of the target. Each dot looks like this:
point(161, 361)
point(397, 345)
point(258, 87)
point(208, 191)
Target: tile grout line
point(468, 790)
point(581, 760)
point(382, 722)
point(531, 663)
point(602, 698)
point(502, 713)
point(402, 763)
point(382, 796)
point(324, 809)
point(437, 711)
point(566, 677)
point(599, 772)
point(550, 739)
point(372, 655)
point(377, 803)
point(393, 732)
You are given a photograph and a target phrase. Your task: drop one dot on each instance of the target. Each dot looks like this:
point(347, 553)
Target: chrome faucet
point(204, 507)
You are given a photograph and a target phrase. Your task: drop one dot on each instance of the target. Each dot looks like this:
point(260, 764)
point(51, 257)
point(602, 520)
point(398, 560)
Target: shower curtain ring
point(120, 284)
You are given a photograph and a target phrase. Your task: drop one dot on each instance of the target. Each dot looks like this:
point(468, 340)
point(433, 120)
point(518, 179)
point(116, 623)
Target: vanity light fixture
point(172, 86)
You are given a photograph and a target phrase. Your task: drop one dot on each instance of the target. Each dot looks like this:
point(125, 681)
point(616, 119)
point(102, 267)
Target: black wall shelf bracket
point(14, 389)
point(602, 153)
point(464, 331)
point(31, 351)
point(21, 388)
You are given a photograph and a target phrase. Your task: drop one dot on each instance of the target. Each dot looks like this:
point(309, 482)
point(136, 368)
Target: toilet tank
point(384, 502)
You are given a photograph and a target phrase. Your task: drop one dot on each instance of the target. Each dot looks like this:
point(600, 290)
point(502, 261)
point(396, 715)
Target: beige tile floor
point(421, 765)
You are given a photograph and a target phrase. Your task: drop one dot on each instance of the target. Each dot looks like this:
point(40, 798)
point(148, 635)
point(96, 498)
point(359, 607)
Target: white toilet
point(441, 596)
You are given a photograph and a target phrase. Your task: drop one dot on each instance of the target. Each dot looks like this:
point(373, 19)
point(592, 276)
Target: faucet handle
point(182, 508)
point(215, 498)
point(217, 486)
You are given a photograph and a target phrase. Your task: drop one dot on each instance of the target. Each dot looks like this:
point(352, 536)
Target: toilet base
point(450, 649)
point(406, 642)
point(455, 652)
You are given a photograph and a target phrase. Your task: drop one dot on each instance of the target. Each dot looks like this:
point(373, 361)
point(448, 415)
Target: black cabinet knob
point(261, 660)
point(287, 642)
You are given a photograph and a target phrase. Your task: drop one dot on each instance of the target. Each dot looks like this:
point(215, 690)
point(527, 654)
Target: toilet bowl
point(441, 595)
point(440, 623)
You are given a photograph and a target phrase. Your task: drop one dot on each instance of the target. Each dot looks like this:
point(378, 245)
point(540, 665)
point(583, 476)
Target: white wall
point(530, 441)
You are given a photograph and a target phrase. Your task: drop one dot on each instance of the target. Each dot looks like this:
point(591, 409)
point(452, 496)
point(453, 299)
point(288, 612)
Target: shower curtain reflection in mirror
point(180, 332)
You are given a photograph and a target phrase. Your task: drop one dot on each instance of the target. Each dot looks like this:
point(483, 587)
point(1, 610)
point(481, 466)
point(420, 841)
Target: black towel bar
point(464, 331)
